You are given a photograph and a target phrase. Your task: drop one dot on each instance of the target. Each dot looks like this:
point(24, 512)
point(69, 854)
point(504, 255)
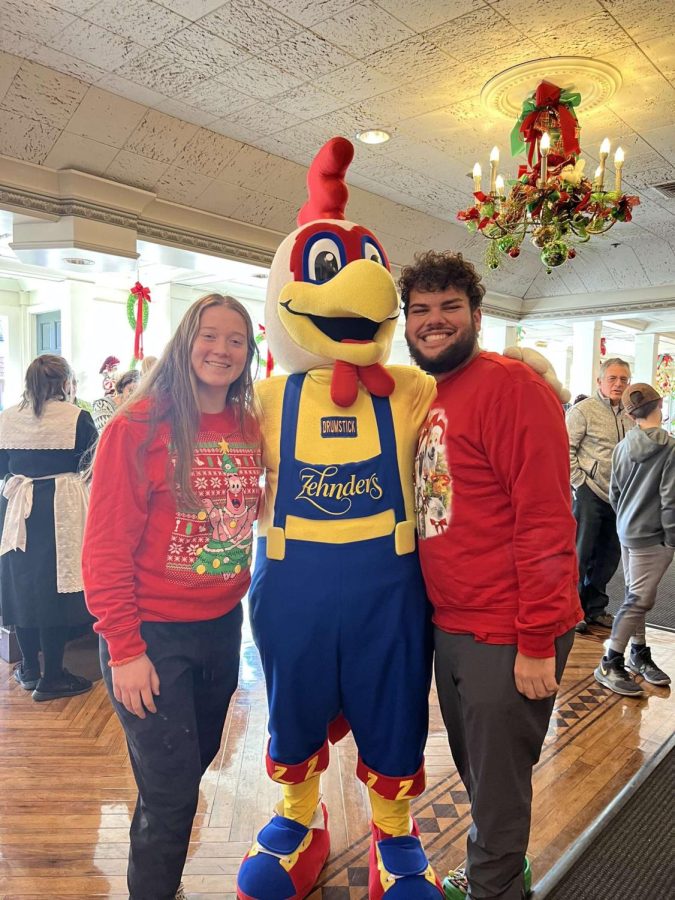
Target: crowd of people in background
point(622, 476)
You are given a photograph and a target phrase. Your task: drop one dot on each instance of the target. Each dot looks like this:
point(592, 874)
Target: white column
point(646, 356)
point(586, 357)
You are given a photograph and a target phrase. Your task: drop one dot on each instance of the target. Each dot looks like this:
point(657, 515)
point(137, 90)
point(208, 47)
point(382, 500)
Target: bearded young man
point(498, 555)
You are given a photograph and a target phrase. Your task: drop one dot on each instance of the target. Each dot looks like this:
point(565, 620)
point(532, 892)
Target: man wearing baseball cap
point(642, 493)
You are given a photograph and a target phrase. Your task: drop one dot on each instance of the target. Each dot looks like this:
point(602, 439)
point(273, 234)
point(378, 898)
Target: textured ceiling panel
point(220, 104)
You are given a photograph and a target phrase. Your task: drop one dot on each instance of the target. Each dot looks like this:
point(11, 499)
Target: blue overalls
point(343, 627)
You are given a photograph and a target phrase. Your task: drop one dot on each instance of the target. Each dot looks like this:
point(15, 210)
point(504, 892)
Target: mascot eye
point(324, 259)
point(370, 250)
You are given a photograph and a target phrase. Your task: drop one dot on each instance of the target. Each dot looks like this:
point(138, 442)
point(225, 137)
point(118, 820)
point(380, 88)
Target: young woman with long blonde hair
point(166, 563)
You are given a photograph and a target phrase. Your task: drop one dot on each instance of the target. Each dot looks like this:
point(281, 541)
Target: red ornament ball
point(514, 252)
point(571, 253)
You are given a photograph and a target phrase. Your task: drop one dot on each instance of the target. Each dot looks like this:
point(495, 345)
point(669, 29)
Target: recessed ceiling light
point(261, 275)
point(78, 261)
point(374, 136)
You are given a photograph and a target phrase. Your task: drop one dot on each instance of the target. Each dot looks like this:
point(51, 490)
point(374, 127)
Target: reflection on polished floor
point(66, 790)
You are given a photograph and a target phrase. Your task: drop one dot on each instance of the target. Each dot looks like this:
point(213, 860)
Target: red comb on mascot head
point(337, 602)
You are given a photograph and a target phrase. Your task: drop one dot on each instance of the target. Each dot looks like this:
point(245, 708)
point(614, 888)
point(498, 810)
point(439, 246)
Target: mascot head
point(330, 294)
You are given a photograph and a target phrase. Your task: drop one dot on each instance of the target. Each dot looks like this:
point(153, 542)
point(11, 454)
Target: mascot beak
point(328, 319)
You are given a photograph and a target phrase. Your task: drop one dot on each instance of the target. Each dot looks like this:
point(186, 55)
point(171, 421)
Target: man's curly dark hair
point(432, 272)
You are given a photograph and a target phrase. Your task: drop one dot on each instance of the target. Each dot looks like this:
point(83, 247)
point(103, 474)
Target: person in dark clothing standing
point(42, 509)
point(642, 491)
point(595, 426)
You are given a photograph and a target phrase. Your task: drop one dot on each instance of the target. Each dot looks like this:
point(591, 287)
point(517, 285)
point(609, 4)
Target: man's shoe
point(602, 620)
point(27, 678)
point(581, 627)
point(456, 885)
point(67, 685)
point(642, 664)
point(613, 675)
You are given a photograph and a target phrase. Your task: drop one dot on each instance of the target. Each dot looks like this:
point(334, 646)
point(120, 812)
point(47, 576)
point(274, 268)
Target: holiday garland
point(137, 314)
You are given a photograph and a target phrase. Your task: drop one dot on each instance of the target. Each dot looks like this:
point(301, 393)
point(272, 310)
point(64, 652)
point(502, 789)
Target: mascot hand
point(540, 365)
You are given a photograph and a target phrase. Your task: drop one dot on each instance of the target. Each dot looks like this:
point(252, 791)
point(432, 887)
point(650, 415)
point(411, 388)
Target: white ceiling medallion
point(595, 80)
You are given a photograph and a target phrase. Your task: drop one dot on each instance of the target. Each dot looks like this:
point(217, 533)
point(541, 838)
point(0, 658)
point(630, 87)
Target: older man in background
point(595, 426)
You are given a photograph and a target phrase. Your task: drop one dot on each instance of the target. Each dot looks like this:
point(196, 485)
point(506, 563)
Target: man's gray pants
point(495, 735)
point(643, 569)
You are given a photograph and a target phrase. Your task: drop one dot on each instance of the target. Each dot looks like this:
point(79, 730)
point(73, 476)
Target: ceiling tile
point(307, 54)
point(259, 79)
point(411, 59)
point(143, 21)
point(355, 82)
point(250, 168)
point(363, 29)
point(202, 51)
point(72, 151)
point(222, 198)
point(411, 100)
point(307, 101)
point(187, 113)
point(34, 20)
point(642, 19)
point(250, 24)
point(235, 131)
point(207, 153)
point(106, 118)
point(17, 44)
point(180, 186)
point(76, 7)
point(214, 97)
point(160, 137)
point(48, 96)
point(69, 65)
point(661, 51)
point(95, 45)
point(25, 138)
point(135, 170)
point(192, 9)
point(9, 66)
point(425, 14)
point(161, 72)
point(594, 35)
point(537, 16)
point(263, 118)
point(662, 140)
point(130, 91)
point(473, 35)
point(309, 12)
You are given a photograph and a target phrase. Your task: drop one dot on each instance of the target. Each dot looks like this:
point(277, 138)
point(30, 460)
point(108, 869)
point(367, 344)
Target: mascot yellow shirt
point(335, 435)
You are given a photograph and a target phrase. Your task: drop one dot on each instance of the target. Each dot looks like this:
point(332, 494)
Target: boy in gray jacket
point(642, 492)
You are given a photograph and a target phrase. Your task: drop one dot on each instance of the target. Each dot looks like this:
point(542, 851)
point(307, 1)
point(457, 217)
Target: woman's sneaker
point(611, 673)
point(66, 685)
point(27, 678)
point(642, 664)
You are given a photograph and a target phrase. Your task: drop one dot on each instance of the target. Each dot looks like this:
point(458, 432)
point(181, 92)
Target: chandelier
point(551, 198)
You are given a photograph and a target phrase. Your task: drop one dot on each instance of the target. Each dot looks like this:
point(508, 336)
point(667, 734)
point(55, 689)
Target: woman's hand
point(135, 685)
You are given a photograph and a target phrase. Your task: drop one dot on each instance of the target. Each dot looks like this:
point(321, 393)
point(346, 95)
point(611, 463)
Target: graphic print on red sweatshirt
point(217, 540)
point(433, 480)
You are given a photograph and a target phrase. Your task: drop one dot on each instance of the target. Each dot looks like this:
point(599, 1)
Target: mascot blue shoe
point(285, 861)
point(399, 868)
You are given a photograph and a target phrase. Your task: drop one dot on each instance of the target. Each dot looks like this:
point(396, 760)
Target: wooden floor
point(66, 790)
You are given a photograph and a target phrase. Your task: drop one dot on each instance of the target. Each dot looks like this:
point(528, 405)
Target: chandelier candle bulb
point(494, 162)
point(544, 147)
point(604, 153)
point(618, 166)
point(597, 181)
point(477, 172)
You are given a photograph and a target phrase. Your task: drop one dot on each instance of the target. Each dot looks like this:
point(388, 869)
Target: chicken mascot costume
point(337, 603)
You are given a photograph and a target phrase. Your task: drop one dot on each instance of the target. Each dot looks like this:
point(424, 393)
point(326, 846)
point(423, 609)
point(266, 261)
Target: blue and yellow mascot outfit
point(338, 607)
